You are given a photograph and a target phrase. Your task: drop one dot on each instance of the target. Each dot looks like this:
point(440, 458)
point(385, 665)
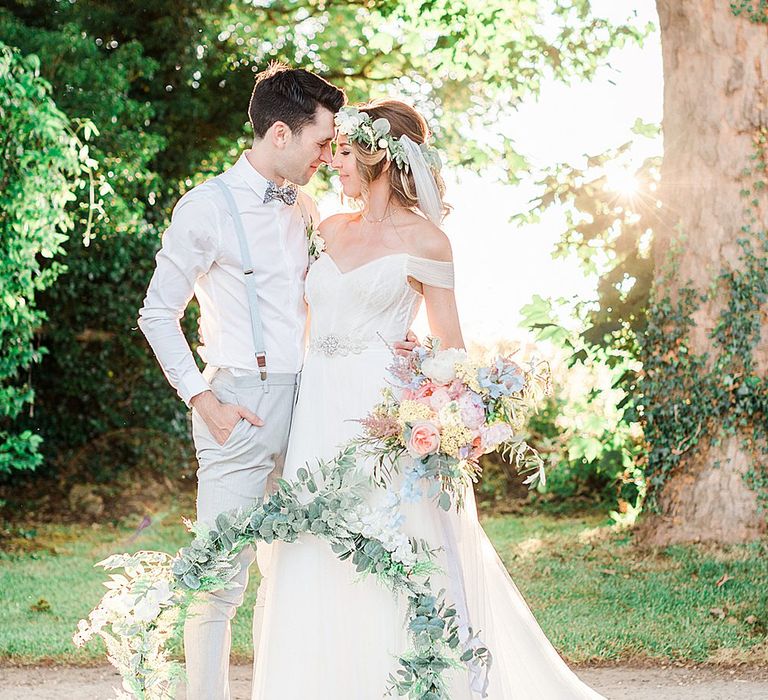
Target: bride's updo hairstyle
point(403, 119)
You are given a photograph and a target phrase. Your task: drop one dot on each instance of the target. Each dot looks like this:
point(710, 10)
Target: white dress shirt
point(200, 255)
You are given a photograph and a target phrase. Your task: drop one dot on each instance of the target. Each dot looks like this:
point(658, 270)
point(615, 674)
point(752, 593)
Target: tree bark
point(715, 68)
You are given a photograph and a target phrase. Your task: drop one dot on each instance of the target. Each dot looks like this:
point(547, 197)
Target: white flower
point(347, 122)
point(450, 414)
point(383, 143)
point(146, 609)
point(405, 555)
point(381, 125)
point(119, 605)
point(83, 634)
point(316, 243)
point(391, 501)
point(161, 592)
point(441, 368)
point(98, 619)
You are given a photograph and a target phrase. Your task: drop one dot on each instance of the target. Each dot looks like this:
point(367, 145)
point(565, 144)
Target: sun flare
point(622, 182)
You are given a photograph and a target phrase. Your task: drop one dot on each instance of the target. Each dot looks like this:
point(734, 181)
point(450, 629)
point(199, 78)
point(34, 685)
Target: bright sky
point(500, 266)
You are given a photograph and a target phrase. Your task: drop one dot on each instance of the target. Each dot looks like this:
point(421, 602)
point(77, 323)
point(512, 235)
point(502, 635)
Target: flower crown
point(358, 126)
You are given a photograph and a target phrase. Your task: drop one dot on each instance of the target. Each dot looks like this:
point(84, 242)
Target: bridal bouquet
point(445, 411)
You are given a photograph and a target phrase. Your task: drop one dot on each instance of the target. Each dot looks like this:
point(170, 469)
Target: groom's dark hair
point(290, 95)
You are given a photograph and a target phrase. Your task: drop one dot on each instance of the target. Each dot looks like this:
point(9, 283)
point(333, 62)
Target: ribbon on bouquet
point(478, 673)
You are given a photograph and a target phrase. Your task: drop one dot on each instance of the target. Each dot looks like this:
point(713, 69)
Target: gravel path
point(615, 682)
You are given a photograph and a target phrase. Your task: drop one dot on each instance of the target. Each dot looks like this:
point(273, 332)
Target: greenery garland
point(148, 603)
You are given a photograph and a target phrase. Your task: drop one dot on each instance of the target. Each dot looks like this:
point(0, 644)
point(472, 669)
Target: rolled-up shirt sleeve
point(188, 250)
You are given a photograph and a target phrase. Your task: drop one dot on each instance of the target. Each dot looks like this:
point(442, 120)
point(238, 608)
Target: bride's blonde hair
point(403, 119)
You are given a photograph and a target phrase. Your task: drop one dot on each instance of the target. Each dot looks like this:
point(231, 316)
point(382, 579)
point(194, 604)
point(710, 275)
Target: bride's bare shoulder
point(331, 225)
point(426, 240)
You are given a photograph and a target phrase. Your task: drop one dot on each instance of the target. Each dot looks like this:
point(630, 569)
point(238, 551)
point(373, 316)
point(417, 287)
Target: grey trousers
point(230, 476)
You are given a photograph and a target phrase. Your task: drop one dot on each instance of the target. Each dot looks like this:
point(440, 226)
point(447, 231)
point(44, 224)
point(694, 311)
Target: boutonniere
point(315, 242)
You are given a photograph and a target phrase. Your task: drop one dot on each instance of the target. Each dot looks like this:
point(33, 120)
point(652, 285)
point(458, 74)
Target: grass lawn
point(597, 595)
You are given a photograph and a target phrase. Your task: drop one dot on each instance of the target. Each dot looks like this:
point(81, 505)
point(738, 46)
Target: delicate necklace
point(383, 218)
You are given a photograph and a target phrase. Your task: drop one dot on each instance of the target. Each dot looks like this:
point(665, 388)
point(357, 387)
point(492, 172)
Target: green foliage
point(610, 208)
point(684, 400)
point(680, 398)
point(167, 84)
point(692, 399)
point(585, 432)
point(755, 10)
point(98, 378)
point(578, 464)
point(42, 164)
point(689, 398)
point(337, 513)
point(451, 57)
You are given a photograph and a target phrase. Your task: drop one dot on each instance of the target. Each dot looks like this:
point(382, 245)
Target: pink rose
point(424, 440)
point(440, 397)
point(424, 392)
point(430, 394)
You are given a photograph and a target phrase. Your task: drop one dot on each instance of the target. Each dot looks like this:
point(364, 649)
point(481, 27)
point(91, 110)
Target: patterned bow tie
point(285, 194)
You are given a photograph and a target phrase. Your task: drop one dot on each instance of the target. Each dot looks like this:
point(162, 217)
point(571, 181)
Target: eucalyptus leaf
point(191, 581)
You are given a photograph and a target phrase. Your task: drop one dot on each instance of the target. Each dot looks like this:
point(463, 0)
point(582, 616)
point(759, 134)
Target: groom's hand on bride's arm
point(221, 418)
point(405, 347)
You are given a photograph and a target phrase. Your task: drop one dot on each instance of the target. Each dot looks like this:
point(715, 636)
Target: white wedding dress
point(327, 634)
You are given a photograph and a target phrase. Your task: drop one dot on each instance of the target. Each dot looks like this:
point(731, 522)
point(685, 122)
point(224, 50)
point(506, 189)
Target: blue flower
point(410, 490)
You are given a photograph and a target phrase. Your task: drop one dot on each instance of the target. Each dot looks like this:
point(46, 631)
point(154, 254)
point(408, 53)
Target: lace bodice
point(371, 301)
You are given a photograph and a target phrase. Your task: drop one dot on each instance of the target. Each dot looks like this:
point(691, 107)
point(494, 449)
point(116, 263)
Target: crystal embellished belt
point(333, 345)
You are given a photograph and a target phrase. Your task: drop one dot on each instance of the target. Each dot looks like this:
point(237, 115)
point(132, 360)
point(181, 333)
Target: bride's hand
point(221, 418)
point(405, 347)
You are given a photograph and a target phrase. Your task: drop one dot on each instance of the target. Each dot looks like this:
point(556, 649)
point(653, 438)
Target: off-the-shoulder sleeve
point(434, 273)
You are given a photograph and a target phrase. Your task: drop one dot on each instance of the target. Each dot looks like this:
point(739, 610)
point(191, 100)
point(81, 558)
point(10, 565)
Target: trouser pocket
point(240, 467)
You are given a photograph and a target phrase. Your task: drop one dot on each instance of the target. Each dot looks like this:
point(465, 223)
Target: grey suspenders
point(250, 283)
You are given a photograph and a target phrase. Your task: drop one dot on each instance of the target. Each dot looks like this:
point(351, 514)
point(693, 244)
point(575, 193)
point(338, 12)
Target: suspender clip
point(261, 361)
point(248, 272)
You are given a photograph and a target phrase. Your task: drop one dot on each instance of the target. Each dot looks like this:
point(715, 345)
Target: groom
point(238, 243)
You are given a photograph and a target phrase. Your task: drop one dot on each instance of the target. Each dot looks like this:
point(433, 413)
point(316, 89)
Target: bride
point(326, 634)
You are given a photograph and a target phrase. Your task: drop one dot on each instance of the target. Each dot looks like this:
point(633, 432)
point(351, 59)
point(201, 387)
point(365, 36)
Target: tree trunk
point(715, 68)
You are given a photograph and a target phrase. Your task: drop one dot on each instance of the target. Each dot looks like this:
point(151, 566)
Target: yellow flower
point(413, 411)
point(453, 438)
point(467, 373)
